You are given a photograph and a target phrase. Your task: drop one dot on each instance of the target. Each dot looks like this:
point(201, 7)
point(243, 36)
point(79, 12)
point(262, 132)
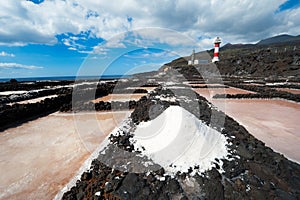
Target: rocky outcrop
point(12, 115)
point(251, 171)
point(14, 98)
point(74, 98)
point(254, 60)
point(100, 106)
point(262, 92)
point(19, 113)
point(36, 85)
point(260, 62)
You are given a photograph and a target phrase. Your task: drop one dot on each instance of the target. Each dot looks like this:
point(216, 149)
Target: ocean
point(66, 78)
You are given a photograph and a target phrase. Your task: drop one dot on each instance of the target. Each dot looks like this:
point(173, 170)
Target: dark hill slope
point(280, 39)
point(277, 60)
point(262, 62)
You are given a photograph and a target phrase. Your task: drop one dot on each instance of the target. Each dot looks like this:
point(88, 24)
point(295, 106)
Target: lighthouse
point(192, 60)
point(216, 52)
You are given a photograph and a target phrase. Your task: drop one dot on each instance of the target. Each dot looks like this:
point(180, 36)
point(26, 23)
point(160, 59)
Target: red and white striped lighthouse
point(216, 52)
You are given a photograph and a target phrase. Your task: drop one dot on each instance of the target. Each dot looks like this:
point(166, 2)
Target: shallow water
point(208, 93)
point(120, 97)
point(39, 157)
point(293, 91)
point(275, 122)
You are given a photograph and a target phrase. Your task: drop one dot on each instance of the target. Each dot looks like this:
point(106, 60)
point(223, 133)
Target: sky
point(41, 38)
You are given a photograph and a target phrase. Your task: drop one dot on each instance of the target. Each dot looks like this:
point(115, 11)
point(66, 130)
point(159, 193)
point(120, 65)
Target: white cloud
point(72, 44)
point(72, 48)
point(288, 23)
point(18, 66)
point(235, 21)
point(165, 36)
point(99, 50)
point(3, 53)
point(149, 54)
point(117, 41)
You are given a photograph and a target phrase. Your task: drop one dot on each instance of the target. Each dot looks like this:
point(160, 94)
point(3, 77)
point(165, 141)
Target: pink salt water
point(208, 93)
point(293, 91)
point(275, 122)
point(39, 157)
point(120, 97)
point(204, 84)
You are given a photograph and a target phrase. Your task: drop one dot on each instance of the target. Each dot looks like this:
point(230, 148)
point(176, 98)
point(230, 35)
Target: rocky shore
point(14, 85)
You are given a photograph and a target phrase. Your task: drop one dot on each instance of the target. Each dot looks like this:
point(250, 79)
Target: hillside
point(280, 39)
point(273, 57)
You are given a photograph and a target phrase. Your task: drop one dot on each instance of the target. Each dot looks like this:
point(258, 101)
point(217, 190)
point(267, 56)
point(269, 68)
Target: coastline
point(66, 78)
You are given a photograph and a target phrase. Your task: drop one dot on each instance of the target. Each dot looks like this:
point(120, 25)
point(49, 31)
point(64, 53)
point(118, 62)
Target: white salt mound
point(177, 140)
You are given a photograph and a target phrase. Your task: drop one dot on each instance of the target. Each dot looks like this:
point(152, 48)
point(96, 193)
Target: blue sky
point(87, 37)
point(289, 5)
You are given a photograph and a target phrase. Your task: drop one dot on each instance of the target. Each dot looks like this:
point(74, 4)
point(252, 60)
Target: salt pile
point(177, 140)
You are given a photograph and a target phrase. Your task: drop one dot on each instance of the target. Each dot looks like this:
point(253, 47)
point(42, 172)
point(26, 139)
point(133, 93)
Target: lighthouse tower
point(216, 52)
point(192, 60)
